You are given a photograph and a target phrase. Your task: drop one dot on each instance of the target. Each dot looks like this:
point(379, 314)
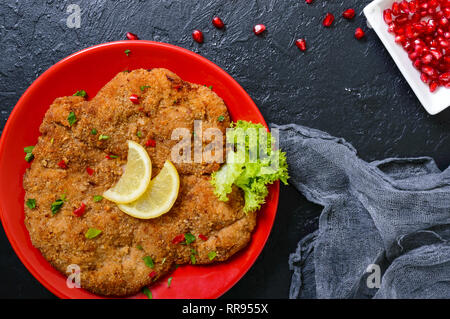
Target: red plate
point(91, 69)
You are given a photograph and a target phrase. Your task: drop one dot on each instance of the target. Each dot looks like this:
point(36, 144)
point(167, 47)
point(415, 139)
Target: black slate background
point(346, 87)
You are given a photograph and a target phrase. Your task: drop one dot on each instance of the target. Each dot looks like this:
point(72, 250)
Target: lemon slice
point(136, 178)
point(159, 197)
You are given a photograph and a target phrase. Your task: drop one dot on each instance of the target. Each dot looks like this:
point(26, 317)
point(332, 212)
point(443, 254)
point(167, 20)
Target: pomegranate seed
point(203, 237)
point(80, 210)
point(387, 16)
point(444, 77)
point(404, 7)
point(428, 70)
point(433, 86)
point(150, 143)
point(427, 58)
point(197, 35)
point(89, 170)
point(309, 1)
point(417, 64)
point(436, 54)
point(218, 23)
point(259, 28)
point(424, 78)
point(328, 20)
point(152, 274)
point(132, 36)
point(134, 99)
point(301, 44)
point(349, 14)
point(62, 164)
point(400, 39)
point(359, 33)
point(395, 9)
point(443, 22)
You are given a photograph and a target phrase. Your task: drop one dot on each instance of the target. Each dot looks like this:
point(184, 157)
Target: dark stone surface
point(346, 87)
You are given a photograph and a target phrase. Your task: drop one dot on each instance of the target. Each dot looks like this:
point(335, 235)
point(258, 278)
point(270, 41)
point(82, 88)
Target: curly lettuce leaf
point(247, 171)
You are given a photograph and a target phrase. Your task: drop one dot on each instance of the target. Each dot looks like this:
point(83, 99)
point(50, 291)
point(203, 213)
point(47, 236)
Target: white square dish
point(432, 102)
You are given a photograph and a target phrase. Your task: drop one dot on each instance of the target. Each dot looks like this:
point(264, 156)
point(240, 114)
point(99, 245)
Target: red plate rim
point(271, 205)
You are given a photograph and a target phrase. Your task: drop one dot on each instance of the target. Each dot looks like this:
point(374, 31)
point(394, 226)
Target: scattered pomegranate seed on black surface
point(309, 1)
point(197, 35)
point(421, 27)
point(301, 44)
point(359, 33)
point(132, 36)
point(259, 28)
point(349, 14)
point(218, 23)
point(134, 98)
point(328, 20)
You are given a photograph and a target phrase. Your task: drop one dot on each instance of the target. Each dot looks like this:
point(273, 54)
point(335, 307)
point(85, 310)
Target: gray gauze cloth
point(385, 227)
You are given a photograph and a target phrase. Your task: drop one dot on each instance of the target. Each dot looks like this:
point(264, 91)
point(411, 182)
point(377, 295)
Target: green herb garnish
point(144, 87)
point(71, 118)
point(81, 93)
point(221, 118)
point(169, 282)
point(56, 205)
point(139, 247)
point(148, 261)
point(94, 131)
point(127, 52)
point(29, 157)
point(163, 261)
point(28, 153)
point(212, 255)
point(139, 134)
point(98, 198)
point(189, 238)
point(193, 260)
point(113, 156)
point(147, 292)
point(92, 233)
point(31, 203)
point(103, 137)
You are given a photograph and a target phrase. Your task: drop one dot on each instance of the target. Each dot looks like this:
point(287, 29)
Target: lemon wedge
point(136, 178)
point(159, 197)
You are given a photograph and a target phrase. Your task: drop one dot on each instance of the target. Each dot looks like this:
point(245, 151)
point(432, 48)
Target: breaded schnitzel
point(112, 263)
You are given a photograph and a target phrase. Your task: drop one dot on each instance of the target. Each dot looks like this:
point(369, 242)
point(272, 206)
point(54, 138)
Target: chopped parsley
point(147, 292)
point(72, 118)
point(169, 282)
point(92, 233)
point(139, 134)
point(31, 203)
point(212, 255)
point(127, 52)
point(221, 118)
point(94, 131)
point(144, 87)
point(193, 259)
point(81, 93)
point(189, 238)
point(29, 153)
point(98, 198)
point(210, 87)
point(57, 204)
point(139, 247)
point(29, 157)
point(103, 137)
point(113, 156)
point(148, 261)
